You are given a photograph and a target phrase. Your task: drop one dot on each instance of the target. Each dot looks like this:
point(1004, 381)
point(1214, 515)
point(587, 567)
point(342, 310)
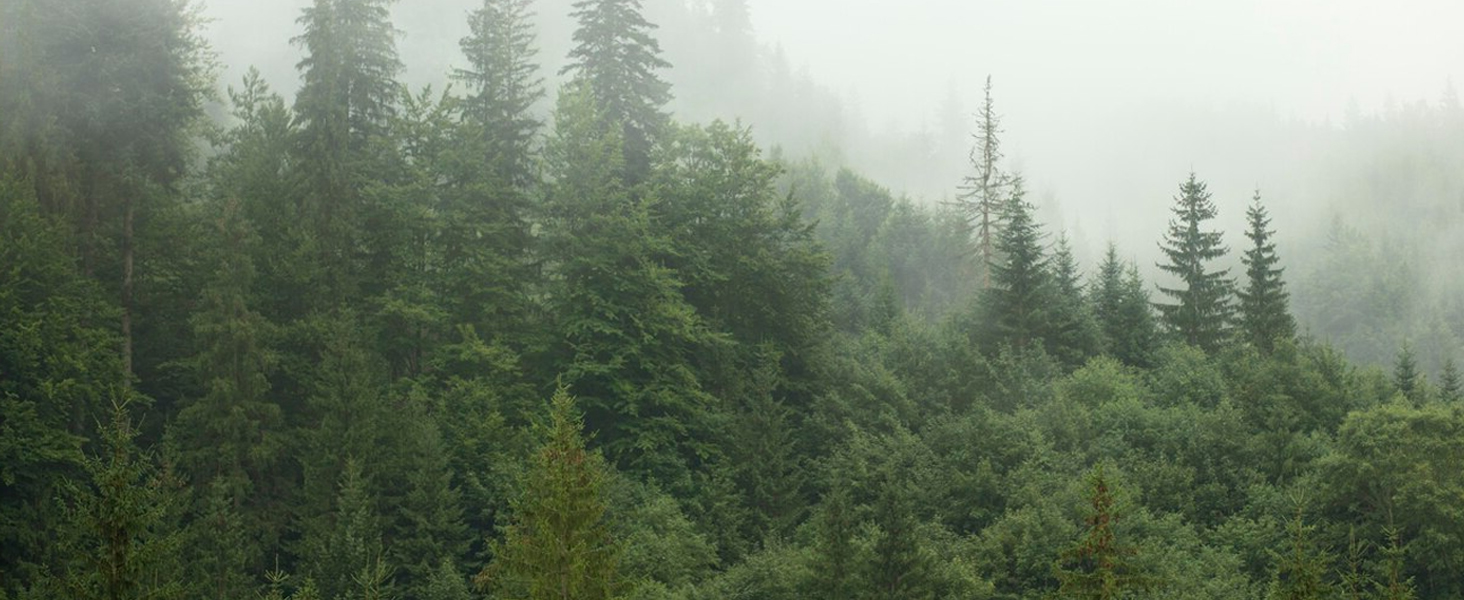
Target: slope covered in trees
point(388, 343)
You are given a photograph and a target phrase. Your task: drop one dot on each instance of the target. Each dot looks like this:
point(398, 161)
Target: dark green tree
point(348, 94)
point(1394, 585)
point(344, 553)
point(119, 539)
point(899, 564)
point(626, 335)
point(502, 87)
point(1406, 376)
point(1201, 312)
point(1019, 302)
point(1099, 566)
point(1451, 385)
point(557, 545)
point(1074, 335)
point(1301, 569)
point(616, 58)
point(834, 569)
point(1264, 316)
point(1121, 306)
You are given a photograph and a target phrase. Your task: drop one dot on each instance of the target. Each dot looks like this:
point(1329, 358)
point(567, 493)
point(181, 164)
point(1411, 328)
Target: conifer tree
point(1202, 308)
point(1300, 569)
point(503, 86)
point(1451, 387)
point(1074, 334)
point(1019, 300)
point(1123, 311)
point(834, 562)
point(344, 553)
point(348, 93)
point(1406, 377)
point(557, 545)
point(899, 566)
point(1394, 585)
point(616, 58)
point(1099, 566)
point(1264, 317)
point(984, 192)
point(118, 543)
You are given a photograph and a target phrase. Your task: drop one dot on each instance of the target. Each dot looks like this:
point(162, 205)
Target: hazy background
point(1342, 112)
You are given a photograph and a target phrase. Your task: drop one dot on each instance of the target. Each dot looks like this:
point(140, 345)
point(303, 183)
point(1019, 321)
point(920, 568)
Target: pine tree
point(344, 552)
point(557, 545)
point(1202, 308)
point(1451, 387)
point(1353, 583)
point(348, 93)
point(984, 192)
point(1301, 569)
point(899, 567)
point(616, 58)
point(503, 86)
point(1264, 317)
point(1123, 311)
point(119, 543)
point(1074, 334)
point(1018, 302)
point(1406, 376)
point(1098, 566)
point(1394, 585)
point(835, 575)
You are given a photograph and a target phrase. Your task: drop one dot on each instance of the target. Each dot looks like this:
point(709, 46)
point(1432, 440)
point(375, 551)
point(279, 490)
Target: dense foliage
point(387, 344)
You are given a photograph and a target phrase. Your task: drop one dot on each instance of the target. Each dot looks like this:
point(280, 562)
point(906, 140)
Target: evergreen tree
point(1098, 566)
point(344, 553)
point(1074, 335)
point(557, 545)
point(834, 563)
point(1202, 309)
point(627, 335)
point(1406, 377)
point(503, 86)
point(1019, 301)
point(984, 192)
point(222, 550)
point(1301, 569)
point(1394, 585)
point(119, 543)
point(1451, 386)
point(616, 58)
point(1122, 309)
point(347, 96)
point(899, 567)
point(1264, 316)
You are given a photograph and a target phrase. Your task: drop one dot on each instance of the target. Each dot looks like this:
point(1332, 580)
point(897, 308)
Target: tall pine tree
point(984, 191)
point(1264, 316)
point(503, 86)
point(616, 58)
point(1018, 303)
point(1121, 307)
point(1201, 311)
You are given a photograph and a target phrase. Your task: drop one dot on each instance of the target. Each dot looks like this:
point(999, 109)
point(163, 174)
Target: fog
point(1336, 110)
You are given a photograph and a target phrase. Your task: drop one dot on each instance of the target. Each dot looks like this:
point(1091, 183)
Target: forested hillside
point(377, 342)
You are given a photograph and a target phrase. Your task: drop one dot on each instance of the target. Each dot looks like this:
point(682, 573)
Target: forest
point(508, 339)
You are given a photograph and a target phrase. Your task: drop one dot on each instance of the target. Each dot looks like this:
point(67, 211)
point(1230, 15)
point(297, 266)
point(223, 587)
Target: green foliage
point(1019, 301)
point(1201, 312)
point(558, 543)
point(1098, 566)
point(503, 85)
point(1302, 567)
point(1121, 307)
point(615, 59)
point(1264, 316)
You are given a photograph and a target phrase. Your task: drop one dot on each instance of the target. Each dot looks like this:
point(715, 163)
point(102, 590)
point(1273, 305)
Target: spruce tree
point(1123, 311)
point(984, 192)
point(1394, 585)
point(1099, 566)
point(1406, 377)
point(503, 86)
point(616, 58)
point(834, 573)
point(1451, 387)
point(1202, 308)
point(899, 565)
point(1264, 317)
point(1018, 303)
point(347, 97)
point(1302, 567)
point(557, 545)
point(1074, 335)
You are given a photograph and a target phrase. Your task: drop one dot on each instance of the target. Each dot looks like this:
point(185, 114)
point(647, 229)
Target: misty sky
point(1108, 104)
